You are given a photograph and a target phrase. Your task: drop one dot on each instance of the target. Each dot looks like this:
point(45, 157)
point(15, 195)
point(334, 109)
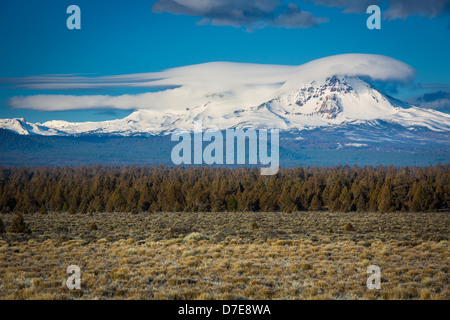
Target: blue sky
point(126, 37)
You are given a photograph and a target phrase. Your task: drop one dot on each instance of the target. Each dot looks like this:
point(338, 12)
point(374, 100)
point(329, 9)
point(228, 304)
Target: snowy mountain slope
point(20, 126)
point(328, 102)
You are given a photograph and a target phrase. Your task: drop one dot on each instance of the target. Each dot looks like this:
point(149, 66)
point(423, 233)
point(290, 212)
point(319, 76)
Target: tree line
point(89, 189)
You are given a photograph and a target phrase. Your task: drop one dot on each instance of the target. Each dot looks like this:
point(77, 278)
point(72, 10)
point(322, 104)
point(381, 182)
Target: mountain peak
point(331, 101)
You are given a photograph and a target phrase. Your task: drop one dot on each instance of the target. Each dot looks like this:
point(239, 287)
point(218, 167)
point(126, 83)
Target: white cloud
point(227, 85)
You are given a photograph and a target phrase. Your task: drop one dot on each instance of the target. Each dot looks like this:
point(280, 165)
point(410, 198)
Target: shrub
point(195, 236)
point(132, 251)
point(43, 210)
point(429, 282)
point(349, 227)
point(18, 225)
point(305, 266)
point(93, 226)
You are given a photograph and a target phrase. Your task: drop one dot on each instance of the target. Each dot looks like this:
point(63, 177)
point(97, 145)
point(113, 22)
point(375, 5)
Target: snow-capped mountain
point(333, 101)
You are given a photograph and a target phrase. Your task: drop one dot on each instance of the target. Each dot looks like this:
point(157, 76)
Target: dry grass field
point(313, 255)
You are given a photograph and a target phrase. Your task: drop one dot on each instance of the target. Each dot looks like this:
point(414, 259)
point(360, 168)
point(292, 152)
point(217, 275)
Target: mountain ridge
point(333, 101)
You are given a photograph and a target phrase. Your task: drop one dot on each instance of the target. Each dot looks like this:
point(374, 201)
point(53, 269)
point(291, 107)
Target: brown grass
point(222, 256)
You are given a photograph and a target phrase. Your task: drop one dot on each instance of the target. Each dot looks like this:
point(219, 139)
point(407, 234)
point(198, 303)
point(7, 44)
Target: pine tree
point(43, 210)
point(232, 203)
point(252, 201)
point(2, 226)
point(336, 205)
point(286, 201)
point(269, 202)
point(385, 199)
point(345, 198)
point(360, 204)
point(154, 189)
point(316, 204)
point(422, 198)
point(335, 192)
point(18, 225)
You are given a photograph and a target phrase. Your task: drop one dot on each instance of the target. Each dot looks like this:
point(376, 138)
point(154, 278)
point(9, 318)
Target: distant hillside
point(317, 147)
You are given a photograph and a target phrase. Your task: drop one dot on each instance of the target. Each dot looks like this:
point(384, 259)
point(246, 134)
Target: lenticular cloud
point(229, 85)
